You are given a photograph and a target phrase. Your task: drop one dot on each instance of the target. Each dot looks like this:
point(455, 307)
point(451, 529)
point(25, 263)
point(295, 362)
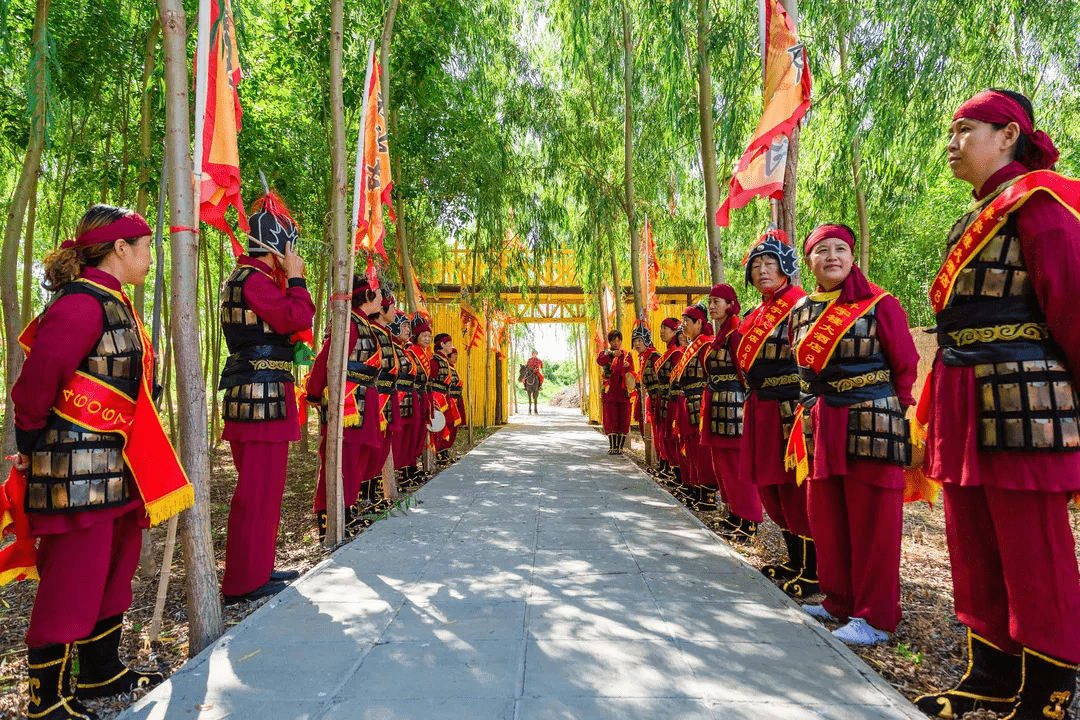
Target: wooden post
point(708, 147)
point(389, 479)
point(488, 395)
point(787, 203)
point(203, 600)
point(628, 169)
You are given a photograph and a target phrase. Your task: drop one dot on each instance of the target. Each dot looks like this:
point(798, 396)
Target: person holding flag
point(408, 403)
point(440, 374)
point(722, 418)
point(258, 318)
point(616, 364)
point(360, 434)
point(420, 353)
point(765, 360)
point(371, 499)
point(1001, 406)
point(648, 382)
point(663, 412)
point(94, 466)
point(851, 441)
point(688, 381)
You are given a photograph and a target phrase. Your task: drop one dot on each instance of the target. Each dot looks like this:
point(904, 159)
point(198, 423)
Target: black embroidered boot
point(991, 682)
point(101, 673)
point(49, 685)
point(790, 568)
point(320, 520)
point(1047, 688)
point(611, 444)
point(737, 529)
point(706, 499)
point(806, 584)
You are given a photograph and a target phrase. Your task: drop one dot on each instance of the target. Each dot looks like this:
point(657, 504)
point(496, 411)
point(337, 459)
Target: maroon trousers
point(85, 577)
point(786, 505)
point(1015, 576)
point(857, 529)
point(616, 417)
point(254, 514)
point(354, 459)
point(696, 462)
point(378, 455)
point(741, 496)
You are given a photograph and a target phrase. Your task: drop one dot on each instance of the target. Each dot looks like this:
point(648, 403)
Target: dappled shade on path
point(538, 578)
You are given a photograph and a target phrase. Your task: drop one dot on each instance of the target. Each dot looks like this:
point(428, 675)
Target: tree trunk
point(617, 291)
point(342, 284)
point(203, 603)
point(856, 158)
point(708, 146)
point(28, 257)
point(9, 285)
point(628, 169)
point(142, 199)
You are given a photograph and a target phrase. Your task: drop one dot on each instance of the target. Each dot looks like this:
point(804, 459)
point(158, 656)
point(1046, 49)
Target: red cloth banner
point(220, 161)
point(760, 172)
point(650, 268)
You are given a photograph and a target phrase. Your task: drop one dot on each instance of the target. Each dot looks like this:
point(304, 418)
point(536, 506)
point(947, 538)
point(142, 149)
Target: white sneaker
point(818, 612)
point(860, 632)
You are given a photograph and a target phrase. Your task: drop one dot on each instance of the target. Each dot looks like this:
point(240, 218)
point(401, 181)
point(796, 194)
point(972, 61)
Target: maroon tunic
point(615, 398)
point(1050, 242)
point(68, 331)
point(1015, 576)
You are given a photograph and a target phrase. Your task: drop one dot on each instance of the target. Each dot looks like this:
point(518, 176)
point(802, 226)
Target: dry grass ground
point(928, 650)
point(297, 549)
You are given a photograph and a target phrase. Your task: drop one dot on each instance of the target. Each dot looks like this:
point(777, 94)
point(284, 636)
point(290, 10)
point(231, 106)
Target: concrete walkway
point(539, 578)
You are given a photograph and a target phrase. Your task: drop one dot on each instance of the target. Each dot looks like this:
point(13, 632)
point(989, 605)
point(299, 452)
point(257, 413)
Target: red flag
point(220, 162)
point(472, 327)
point(376, 181)
point(760, 172)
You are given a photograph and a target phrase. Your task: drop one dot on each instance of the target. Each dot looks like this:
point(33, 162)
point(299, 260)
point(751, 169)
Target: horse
point(528, 376)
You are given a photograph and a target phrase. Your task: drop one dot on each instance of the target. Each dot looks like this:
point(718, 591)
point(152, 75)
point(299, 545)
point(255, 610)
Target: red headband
point(124, 228)
point(726, 292)
point(995, 107)
point(421, 328)
point(694, 313)
point(671, 324)
point(829, 231)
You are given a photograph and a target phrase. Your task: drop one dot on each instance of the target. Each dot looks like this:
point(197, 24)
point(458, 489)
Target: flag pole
point(202, 81)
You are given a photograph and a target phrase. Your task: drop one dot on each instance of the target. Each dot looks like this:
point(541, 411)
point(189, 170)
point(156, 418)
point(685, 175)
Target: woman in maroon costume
point(766, 361)
point(722, 418)
point(856, 380)
point(670, 333)
point(258, 317)
point(360, 440)
point(1004, 446)
point(420, 352)
point(688, 388)
point(616, 364)
point(87, 553)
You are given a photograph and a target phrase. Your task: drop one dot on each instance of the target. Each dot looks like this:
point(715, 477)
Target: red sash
point(689, 354)
point(758, 325)
point(795, 455)
point(819, 344)
point(993, 216)
point(18, 561)
point(98, 407)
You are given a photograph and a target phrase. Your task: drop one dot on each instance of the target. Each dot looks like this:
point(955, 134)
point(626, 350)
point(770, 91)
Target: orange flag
point(376, 181)
point(760, 172)
point(472, 326)
point(220, 186)
point(650, 268)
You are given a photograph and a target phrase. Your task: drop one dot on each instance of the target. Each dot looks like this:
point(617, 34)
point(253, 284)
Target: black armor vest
point(455, 384)
point(726, 394)
point(664, 392)
point(405, 380)
point(691, 386)
point(357, 370)
point(858, 377)
point(260, 360)
point(993, 322)
point(440, 381)
point(387, 378)
point(71, 468)
point(420, 379)
point(774, 375)
point(649, 378)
